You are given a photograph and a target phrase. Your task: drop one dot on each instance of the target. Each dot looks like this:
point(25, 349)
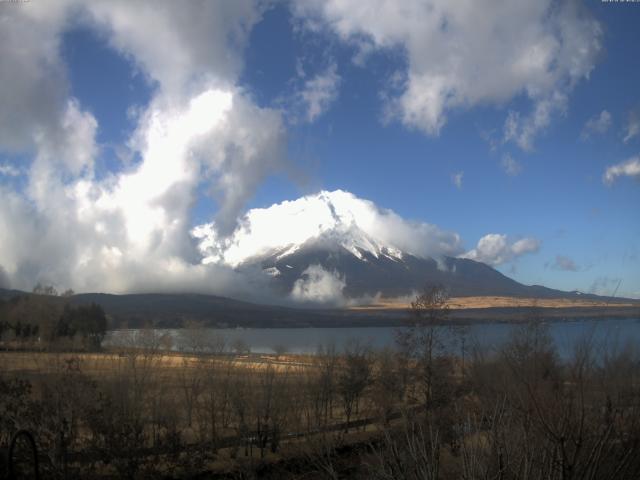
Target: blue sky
point(360, 139)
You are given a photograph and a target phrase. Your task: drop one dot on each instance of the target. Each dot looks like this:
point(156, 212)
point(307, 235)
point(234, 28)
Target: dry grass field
point(462, 303)
point(101, 364)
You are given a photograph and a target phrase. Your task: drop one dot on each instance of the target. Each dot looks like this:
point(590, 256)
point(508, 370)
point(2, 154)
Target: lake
point(605, 333)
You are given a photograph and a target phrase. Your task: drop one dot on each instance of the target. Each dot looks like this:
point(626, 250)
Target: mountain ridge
point(400, 275)
point(336, 248)
point(166, 310)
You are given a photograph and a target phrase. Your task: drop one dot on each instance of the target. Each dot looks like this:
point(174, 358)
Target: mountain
point(393, 274)
point(166, 310)
point(175, 310)
point(333, 245)
point(325, 250)
point(180, 310)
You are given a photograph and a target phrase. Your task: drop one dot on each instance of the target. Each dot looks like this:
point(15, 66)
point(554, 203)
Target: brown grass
point(462, 303)
point(105, 362)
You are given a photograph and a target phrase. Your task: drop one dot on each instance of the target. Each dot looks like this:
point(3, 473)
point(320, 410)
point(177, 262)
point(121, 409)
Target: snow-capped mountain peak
point(338, 218)
point(333, 246)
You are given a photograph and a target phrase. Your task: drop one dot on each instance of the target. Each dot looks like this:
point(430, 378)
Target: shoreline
point(372, 318)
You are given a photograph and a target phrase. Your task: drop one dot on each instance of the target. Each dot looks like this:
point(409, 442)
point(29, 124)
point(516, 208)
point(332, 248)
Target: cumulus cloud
point(596, 125)
point(204, 38)
point(351, 221)
point(34, 89)
point(630, 168)
point(316, 285)
point(130, 230)
point(463, 54)
point(248, 146)
point(510, 165)
point(95, 253)
point(456, 178)
point(36, 113)
point(564, 263)
point(496, 249)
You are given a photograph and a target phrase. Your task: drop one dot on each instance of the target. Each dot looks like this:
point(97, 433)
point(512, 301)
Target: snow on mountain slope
point(339, 217)
point(333, 247)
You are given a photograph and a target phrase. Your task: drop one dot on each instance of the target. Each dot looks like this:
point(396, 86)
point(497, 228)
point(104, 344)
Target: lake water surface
point(604, 333)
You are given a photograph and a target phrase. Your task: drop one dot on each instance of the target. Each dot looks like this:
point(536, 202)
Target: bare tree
point(353, 378)
point(240, 347)
point(49, 290)
point(421, 346)
point(319, 387)
point(411, 452)
point(214, 405)
point(387, 384)
point(280, 350)
point(193, 337)
point(269, 406)
point(321, 451)
point(190, 378)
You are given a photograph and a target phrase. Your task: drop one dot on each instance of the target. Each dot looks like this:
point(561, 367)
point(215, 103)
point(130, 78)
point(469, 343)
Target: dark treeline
point(45, 320)
point(413, 412)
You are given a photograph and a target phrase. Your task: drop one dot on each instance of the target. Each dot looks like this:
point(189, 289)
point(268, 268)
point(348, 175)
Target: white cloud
point(179, 45)
point(73, 148)
point(525, 245)
point(496, 249)
point(89, 250)
point(463, 54)
point(510, 165)
point(318, 93)
point(598, 124)
point(33, 96)
point(356, 223)
point(130, 231)
point(36, 113)
point(248, 146)
point(456, 178)
point(523, 129)
point(633, 127)
point(316, 285)
point(8, 170)
point(630, 168)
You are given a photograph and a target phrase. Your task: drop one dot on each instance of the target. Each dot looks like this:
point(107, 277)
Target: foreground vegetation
point(414, 412)
point(45, 320)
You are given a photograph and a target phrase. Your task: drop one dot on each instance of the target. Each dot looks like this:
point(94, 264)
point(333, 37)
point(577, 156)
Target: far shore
point(466, 311)
point(462, 303)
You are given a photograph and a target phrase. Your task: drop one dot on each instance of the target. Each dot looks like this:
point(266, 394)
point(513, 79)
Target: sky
point(506, 132)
